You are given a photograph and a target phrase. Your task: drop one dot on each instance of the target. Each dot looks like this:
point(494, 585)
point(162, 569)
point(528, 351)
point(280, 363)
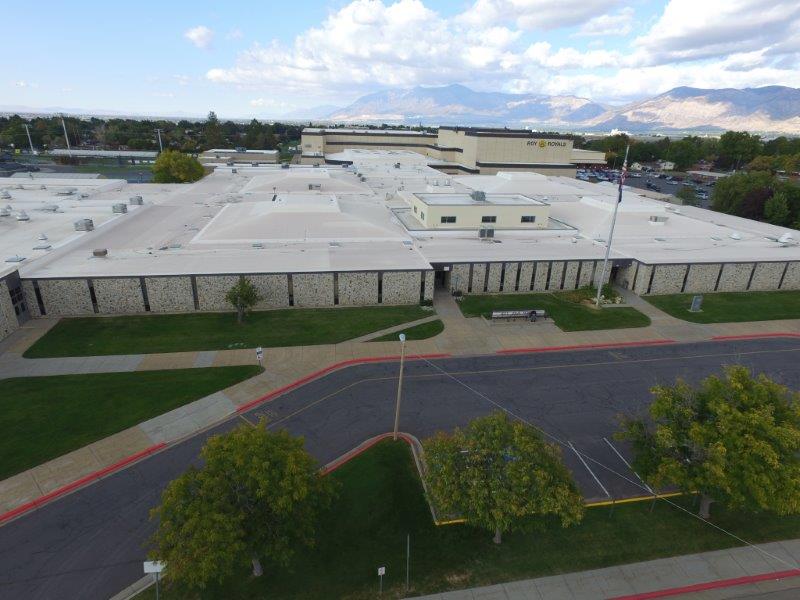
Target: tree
point(496, 473)
point(737, 148)
point(776, 210)
point(242, 295)
point(256, 498)
point(213, 131)
point(730, 192)
point(172, 166)
point(687, 195)
point(762, 163)
point(733, 439)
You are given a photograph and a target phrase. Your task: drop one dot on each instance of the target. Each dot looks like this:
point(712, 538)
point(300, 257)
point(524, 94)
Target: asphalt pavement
point(90, 544)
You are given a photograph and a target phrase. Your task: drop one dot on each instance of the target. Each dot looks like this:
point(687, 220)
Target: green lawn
point(381, 501)
point(45, 417)
point(729, 307)
point(562, 307)
point(417, 332)
point(88, 336)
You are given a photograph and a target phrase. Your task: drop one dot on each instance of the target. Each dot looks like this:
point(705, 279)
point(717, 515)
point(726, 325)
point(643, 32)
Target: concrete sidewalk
point(288, 364)
point(670, 576)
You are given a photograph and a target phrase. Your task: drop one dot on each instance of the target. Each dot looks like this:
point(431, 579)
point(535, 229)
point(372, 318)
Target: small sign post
point(260, 356)
point(381, 573)
point(697, 304)
point(154, 566)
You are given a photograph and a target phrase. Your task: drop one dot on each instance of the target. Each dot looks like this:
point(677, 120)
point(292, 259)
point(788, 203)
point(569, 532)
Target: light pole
point(611, 232)
point(399, 384)
point(160, 146)
point(30, 142)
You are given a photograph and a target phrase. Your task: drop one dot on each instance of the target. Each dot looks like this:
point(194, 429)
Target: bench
point(511, 315)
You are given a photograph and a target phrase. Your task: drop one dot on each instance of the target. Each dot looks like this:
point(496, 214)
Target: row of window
point(490, 219)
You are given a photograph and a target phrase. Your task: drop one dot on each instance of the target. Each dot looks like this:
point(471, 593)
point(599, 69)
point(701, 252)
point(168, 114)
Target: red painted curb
point(711, 585)
point(755, 336)
point(57, 493)
point(587, 346)
point(351, 454)
point(316, 374)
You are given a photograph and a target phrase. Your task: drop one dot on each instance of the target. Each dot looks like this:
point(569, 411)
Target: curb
point(711, 585)
point(361, 448)
point(65, 489)
point(335, 366)
point(657, 342)
point(756, 336)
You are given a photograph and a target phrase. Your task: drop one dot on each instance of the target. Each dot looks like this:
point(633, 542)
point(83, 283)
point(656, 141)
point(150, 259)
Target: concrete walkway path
point(718, 571)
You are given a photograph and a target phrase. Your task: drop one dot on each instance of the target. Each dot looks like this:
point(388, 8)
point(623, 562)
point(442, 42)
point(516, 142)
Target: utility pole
point(30, 143)
point(160, 146)
point(399, 385)
point(611, 232)
point(66, 137)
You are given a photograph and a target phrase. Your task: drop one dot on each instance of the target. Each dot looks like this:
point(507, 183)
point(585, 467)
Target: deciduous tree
point(733, 439)
point(243, 295)
point(498, 473)
point(257, 498)
point(172, 166)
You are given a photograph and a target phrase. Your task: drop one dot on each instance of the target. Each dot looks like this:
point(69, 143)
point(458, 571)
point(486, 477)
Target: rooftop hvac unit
point(254, 164)
point(42, 237)
point(100, 252)
point(83, 196)
point(5, 195)
point(119, 208)
point(316, 165)
point(15, 259)
point(49, 208)
point(658, 219)
point(234, 171)
point(397, 165)
point(284, 165)
point(229, 163)
point(478, 196)
point(84, 225)
point(4, 212)
point(23, 216)
point(68, 192)
point(315, 186)
point(486, 233)
point(786, 238)
point(135, 201)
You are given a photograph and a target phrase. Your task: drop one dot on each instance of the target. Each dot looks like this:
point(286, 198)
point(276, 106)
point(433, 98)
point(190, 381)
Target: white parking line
point(627, 464)
point(588, 469)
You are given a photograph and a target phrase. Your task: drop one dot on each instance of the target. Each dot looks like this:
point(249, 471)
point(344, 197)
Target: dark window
point(415, 210)
point(448, 219)
point(421, 215)
point(528, 219)
point(488, 219)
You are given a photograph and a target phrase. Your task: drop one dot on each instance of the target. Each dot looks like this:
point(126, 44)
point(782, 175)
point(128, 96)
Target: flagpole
point(611, 232)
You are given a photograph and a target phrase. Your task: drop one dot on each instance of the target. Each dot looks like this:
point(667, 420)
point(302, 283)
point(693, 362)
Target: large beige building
point(456, 150)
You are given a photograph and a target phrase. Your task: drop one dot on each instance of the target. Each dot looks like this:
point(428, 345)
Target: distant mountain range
point(773, 109)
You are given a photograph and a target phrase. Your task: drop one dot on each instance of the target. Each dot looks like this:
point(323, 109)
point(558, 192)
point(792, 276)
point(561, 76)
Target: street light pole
point(611, 232)
point(66, 136)
point(399, 385)
point(160, 146)
point(28, 131)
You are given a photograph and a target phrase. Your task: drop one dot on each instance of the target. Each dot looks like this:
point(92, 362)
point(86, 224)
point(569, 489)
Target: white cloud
point(618, 24)
point(534, 14)
point(201, 36)
point(23, 84)
point(235, 34)
point(182, 79)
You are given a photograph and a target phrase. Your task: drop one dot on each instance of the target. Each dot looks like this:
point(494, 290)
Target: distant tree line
point(140, 134)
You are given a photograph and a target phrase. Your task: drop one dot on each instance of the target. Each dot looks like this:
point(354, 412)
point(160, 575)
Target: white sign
point(153, 566)
point(259, 353)
point(381, 571)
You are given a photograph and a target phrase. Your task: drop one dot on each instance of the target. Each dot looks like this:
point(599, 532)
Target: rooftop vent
point(42, 237)
point(42, 246)
point(83, 196)
point(135, 201)
point(284, 165)
point(5, 195)
point(315, 186)
point(4, 212)
point(15, 259)
point(397, 165)
point(786, 238)
point(736, 235)
point(84, 225)
point(23, 216)
point(100, 252)
point(486, 232)
point(68, 192)
point(234, 171)
point(658, 219)
point(478, 196)
point(119, 208)
point(257, 245)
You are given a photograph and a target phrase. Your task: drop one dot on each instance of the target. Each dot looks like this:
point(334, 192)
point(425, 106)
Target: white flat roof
point(463, 199)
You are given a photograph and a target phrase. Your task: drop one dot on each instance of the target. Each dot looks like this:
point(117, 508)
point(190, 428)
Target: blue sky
point(268, 58)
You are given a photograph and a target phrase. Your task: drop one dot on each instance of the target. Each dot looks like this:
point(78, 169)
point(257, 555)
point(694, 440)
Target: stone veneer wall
point(30, 298)
point(791, 279)
point(401, 287)
point(642, 279)
point(358, 289)
point(587, 273)
point(459, 278)
point(8, 320)
point(312, 289)
point(625, 275)
point(211, 290)
point(429, 282)
point(668, 279)
point(526, 271)
point(702, 278)
point(63, 297)
point(169, 294)
point(478, 278)
point(510, 277)
point(735, 277)
point(493, 285)
point(118, 295)
point(273, 289)
point(556, 274)
point(767, 276)
point(540, 277)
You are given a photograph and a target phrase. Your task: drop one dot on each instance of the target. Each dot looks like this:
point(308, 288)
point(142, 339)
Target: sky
point(268, 59)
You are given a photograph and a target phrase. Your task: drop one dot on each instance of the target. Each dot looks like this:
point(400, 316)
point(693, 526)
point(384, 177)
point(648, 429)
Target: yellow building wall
point(469, 216)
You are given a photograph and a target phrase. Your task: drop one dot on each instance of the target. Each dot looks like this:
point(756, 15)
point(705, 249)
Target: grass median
point(45, 417)
point(731, 307)
point(567, 309)
point(381, 501)
point(423, 331)
point(141, 334)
